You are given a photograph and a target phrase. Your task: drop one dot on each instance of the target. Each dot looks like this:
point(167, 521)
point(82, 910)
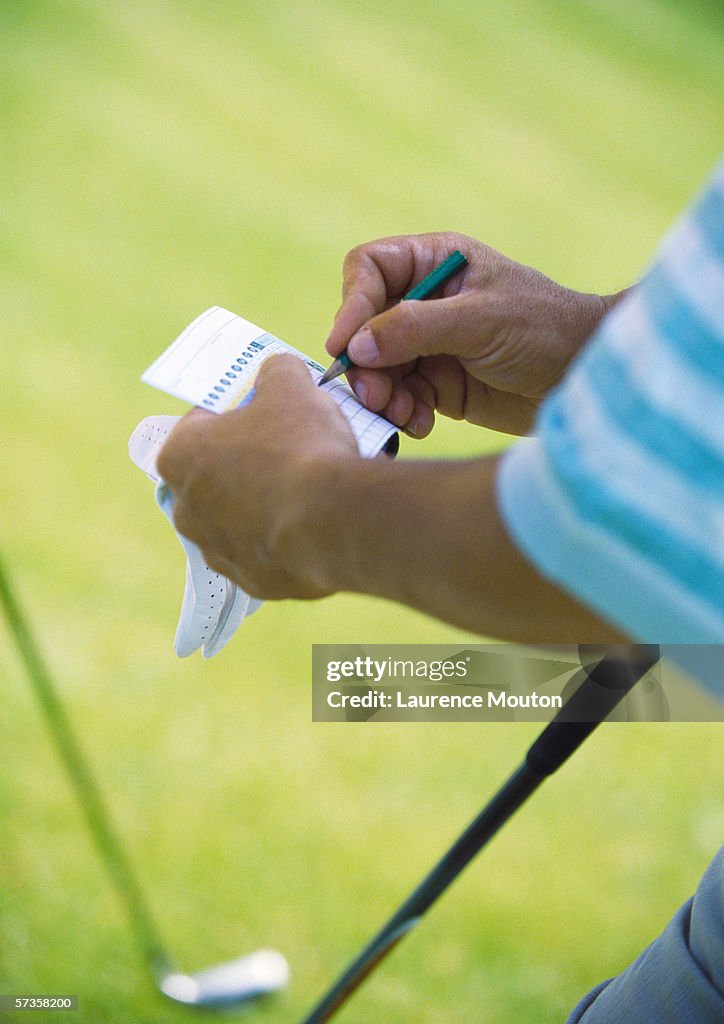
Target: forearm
point(429, 535)
point(281, 503)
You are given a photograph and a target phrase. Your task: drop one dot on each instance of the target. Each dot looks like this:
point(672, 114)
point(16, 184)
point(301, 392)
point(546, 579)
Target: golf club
point(602, 686)
point(226, 984)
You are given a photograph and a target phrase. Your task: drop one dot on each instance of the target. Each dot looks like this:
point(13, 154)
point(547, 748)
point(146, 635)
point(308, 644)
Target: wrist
point(312, 524)
point(348, 514)
point(589, 309)
point(609, 301)
point(592, 308)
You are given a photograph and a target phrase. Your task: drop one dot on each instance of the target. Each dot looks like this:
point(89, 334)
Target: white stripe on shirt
point(657, 371)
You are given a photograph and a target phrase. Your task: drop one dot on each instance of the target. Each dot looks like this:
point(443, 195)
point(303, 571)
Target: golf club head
point(236, 981)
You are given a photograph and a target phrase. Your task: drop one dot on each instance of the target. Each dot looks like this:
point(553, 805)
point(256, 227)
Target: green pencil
point(442, 273)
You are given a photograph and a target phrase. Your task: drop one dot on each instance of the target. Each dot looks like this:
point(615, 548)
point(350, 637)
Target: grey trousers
point(679, 979)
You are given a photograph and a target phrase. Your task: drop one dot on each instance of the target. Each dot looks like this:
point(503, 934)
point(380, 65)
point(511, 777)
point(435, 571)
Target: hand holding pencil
point(487, 348)
point(429, 284)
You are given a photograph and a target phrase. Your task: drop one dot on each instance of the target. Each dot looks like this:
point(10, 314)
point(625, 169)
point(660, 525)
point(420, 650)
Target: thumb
point(413, 328)
point(282, 371)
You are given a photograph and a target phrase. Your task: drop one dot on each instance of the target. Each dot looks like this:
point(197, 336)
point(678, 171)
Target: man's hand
point(279, 500)
point(488, 351)
point(246, 483)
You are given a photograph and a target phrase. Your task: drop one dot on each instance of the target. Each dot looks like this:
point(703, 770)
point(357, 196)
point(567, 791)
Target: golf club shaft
point(109, 847)
point(515, 791)
point(600, 691)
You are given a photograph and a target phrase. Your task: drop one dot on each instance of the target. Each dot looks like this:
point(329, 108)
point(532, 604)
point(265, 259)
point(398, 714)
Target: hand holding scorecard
point(213, 364)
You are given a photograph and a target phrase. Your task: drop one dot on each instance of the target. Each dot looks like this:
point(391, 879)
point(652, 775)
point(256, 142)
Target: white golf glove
point(213, 607)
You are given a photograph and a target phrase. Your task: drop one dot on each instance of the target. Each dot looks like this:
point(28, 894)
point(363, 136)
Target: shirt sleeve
point(619, 495)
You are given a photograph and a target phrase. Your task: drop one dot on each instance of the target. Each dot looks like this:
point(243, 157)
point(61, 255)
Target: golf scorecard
point(214, 362)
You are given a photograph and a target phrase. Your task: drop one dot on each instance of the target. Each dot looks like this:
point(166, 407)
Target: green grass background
point(163, 156)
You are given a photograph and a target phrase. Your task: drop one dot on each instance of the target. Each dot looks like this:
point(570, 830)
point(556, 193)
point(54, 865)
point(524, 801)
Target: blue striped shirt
point(619, 495)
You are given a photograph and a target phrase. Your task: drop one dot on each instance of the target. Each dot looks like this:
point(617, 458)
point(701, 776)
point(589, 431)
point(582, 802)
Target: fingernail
point(362, 348)
point(361, 390)
point(414, 427)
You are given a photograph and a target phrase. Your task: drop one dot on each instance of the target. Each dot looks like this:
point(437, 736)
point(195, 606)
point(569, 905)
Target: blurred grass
point(163, 157)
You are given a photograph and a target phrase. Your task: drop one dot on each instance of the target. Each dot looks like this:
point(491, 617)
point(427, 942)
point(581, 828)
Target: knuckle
point(359, 263)
point(349, 266)
point(183, 521)
point(219, 564)
point(168, 462)
point(356, 255)
point(185, 445)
